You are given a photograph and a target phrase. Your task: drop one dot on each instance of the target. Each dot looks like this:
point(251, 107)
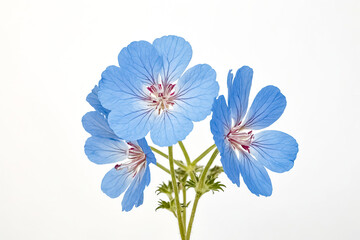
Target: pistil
point(240, 140)
point(136, 160)
point(161, 97)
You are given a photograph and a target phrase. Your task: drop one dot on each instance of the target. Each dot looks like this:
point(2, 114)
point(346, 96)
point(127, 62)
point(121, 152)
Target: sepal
point(166, 189)
point(210, 183)
point(170, 206)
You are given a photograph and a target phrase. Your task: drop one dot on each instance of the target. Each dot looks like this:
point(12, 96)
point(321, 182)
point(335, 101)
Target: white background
point(53, 53)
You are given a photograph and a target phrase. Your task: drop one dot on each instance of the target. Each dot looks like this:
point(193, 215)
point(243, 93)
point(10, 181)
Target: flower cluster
point(150, 92)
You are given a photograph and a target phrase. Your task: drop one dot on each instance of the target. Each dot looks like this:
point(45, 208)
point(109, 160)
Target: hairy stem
point(192, 216)
point(206, 169)
point(176, 192)
point(160, 152)
point(199, 191)
point(167, 157)
point(186, 155)
point(163, 168)
point(184, 208)
point(203, 155)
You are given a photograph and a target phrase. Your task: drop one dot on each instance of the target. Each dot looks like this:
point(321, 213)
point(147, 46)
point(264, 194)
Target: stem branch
point(163, 168)
point(199, 191)
point(167, 157)
point(186, 155)
point(206, 169)
point(192, 217)
point(160, 152)
point(175, 187)
point(184, 208)
point(203, 155)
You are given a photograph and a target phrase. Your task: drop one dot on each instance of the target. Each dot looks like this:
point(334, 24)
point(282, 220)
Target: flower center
point(240, 140)
point(136, 160)
point(161, 97)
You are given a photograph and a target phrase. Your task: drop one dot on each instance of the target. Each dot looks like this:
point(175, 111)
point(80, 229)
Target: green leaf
point(185, 206)
point(170, 206)
point(210, 183)
point(215, 172)
point(163, 205)
point(166, 189)
point(191, 184)
point(214, 186)
point(199, 169)
point(181, 174)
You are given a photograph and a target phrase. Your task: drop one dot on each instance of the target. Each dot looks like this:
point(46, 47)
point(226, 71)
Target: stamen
point(240, 140)
point(161, 98)
point(136, 160)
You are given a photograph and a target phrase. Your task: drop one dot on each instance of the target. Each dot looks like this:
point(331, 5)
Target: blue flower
point(149, 91)
point(243, 151)
point(104, 146)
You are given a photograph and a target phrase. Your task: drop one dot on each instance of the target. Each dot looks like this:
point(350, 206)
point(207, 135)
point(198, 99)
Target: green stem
point(192, 217)
point(184, 208)
point(206, 169)
point(167, 157)
point(203, 155)
point(163, 168)
point(186, 155)
point(160, 152)
point(199, 191)
point(177, 202)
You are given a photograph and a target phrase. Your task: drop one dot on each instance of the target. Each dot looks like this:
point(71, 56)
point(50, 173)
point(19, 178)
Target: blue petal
point(115, 182)
point(231, 165)
point(140, 200)
point(267, 107)
point(230, 78)
point(135, 193)
point(176, 54)
point(196, 91)
point(93, 100)
point(239, 93)
point(133, 121)
point(118, 88)
point(220, 123)
point(275, 150)
point(150, 157)
point(169, 128)
point(96, 124)
point(255, 175)
point(103, 150)
point(130, 116)
point(142, 60)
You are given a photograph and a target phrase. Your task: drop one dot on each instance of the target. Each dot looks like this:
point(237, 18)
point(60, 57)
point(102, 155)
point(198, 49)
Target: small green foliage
point(191, 184)
point(185, 205)
point(214, 186)
point(170, 206)
point(166, 189)
point(214, 172)
point(180, 163)
point(199, 169)
point(181, 174)
point(210, 183)
point(163, 205)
